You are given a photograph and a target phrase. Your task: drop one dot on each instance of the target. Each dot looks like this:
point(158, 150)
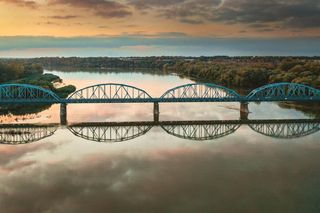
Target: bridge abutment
point(244, 110)
point(156, 112)
point(63, 114)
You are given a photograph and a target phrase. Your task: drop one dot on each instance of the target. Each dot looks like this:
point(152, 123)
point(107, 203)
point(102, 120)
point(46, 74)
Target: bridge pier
point(244, 110)
point(156, 112)
point(63, 114)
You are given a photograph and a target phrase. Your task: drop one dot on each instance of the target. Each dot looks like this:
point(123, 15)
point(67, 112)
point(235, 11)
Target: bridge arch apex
point(284, 91)
point(110, 91)
point(15, 93)
point(205, 91)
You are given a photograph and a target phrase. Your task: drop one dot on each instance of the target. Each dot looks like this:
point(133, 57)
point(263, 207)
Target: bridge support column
point(156, 112)
point(244, 110)
point(63, 114)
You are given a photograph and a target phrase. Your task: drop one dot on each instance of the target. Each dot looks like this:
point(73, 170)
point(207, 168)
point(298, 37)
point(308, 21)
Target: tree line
point(12, 70)
point(245, 72)
point(251, 73)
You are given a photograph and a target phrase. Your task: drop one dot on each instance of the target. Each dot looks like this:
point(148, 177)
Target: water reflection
point(190, 130)
point(104, 132)
point(159, 172)
point(22, 134)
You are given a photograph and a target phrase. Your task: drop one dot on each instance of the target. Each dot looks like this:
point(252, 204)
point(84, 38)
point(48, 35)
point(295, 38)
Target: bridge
point(112, 132)
point(121, 93)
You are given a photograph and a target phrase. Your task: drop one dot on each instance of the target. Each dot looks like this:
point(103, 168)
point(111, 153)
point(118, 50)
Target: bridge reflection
point(200, 131)
point(22, 134)
point(195, 130)
point(109, 132)
point(190, 130)
point(288, 130)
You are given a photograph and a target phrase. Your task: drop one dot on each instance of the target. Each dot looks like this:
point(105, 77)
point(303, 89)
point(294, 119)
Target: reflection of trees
point(309, 109)
point(23, 109)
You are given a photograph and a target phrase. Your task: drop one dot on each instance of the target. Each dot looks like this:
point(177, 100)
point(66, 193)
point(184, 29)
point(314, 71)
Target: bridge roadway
point(20, 94)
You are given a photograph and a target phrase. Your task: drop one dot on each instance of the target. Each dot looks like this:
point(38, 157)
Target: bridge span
point(15, 94)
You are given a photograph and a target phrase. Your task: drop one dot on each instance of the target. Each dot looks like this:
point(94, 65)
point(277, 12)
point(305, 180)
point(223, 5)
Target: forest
point(251, 73)
point(13, 70)
point(243, 72)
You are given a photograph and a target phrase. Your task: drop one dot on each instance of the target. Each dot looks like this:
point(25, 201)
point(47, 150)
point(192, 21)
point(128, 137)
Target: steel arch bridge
point(201, 132)
point(284, 92)
point(26, 94)
point(200, 92)
point(287, 129)
point(23, 134)
point(110, 93)
point(122, 93)
point(109, 132)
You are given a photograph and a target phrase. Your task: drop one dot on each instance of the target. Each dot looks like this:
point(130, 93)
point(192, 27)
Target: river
point(177, 167)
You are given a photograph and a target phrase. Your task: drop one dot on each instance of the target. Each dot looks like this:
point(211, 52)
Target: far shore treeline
point(242, 72)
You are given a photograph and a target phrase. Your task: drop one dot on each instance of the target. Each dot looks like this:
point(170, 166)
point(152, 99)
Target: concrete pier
point(63, 114)
point(244, 110)
point(156, 112)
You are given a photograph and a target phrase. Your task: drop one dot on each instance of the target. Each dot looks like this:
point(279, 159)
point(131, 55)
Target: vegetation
point(252, 73)
point(30, 73)
point(47, 81)
point(12, 70)
point(243, 72)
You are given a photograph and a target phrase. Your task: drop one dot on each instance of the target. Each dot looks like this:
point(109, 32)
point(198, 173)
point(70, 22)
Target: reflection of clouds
point(13, 157)
point(273, 111)
point(182, 179)
point(16, 166)
point(109, 112)
point(198, 111)
point(8, 152)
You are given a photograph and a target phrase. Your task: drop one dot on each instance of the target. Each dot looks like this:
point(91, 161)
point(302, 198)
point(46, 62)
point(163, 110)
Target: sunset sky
point(31, 28)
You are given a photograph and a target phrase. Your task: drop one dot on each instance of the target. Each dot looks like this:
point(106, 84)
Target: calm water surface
point(253, 168)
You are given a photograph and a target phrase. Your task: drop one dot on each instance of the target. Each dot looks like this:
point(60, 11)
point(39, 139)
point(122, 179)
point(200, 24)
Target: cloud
point(190, 21)
point(63, 17)
point(287, 13)
point(294, 14)
point(49, 23)
point(102, 8)
point(22, 3)
point(146, 4)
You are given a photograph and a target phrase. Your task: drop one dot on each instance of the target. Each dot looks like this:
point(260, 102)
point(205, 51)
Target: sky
point(33, 28)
